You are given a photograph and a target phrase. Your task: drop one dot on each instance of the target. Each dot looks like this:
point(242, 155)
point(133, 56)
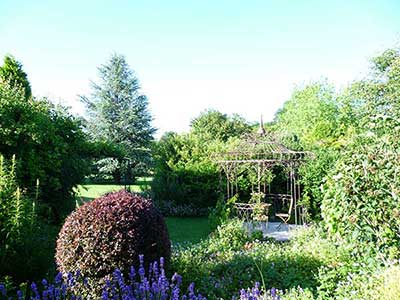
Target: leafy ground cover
point(308, 267)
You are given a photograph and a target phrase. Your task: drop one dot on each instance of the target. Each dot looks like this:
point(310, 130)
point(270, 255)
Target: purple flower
point(20, 295)
point(35, 290)
point(58, 278)
point(3, 290)
point(104, 295)
point(161, 262)
point(141, 286)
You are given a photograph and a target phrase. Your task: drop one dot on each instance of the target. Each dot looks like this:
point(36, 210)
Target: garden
point(97, 208)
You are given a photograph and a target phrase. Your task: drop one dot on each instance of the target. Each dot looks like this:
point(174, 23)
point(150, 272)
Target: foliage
point(110, 232)
point(390, 283)
point(361, 195)
point(21, 231)
point(118, 113)
point(310, 266)
point(223, 211)
point(50, 146)
point(11, 73)
point(229, 260)
point(213, 125)
point(309, 118)
point(312, 176)
point(184, 172)
point(170, 209)
point(312, 120)
point(136, 284)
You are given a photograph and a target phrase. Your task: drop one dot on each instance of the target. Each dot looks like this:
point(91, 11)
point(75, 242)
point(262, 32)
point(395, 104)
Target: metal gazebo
point(260, 153)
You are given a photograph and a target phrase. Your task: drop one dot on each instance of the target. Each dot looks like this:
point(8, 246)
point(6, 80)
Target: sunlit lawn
point(89, 192)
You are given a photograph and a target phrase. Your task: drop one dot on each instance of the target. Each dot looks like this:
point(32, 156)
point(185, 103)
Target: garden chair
point(285, 217)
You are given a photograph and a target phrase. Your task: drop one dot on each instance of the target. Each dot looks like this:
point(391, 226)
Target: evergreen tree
point(118, 114)
point(11, 73)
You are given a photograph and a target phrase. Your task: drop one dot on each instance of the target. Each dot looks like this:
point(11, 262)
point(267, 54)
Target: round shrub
point(110, 232)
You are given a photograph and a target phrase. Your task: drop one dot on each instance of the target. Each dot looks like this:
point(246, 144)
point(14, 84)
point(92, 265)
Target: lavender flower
point(255, 294)
point(152, 286)
point(3, 290)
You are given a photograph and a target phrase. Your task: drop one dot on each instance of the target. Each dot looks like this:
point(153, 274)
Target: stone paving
point(273, 230)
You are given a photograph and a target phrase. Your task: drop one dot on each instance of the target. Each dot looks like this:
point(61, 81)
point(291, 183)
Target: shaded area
point(188, 230)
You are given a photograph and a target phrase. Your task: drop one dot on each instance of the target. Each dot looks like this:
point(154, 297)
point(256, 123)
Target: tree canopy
point(214, 125)
point(118, 114)
point(11, 73)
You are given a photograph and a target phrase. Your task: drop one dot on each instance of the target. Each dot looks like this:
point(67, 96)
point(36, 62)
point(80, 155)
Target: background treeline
point(186, 177)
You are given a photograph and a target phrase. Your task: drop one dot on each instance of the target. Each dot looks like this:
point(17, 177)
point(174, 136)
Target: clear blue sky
point(236, 56)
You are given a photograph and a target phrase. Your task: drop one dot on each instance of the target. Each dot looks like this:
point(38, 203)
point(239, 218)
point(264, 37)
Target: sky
point(242, 57)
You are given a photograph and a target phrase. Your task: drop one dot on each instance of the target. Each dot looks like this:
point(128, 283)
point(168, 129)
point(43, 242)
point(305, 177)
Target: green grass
point(88, 192)
point(190, 230)
point(181, 230)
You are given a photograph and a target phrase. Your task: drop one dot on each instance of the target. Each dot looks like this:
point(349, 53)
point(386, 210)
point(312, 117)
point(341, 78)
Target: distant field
point(181, 230)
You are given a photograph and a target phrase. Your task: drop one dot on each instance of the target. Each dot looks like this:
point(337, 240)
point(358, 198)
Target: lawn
point(191, 230)
point(89, 192)
point(181, 230)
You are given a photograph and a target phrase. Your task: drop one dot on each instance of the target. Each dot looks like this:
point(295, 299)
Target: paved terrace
point(273, 230)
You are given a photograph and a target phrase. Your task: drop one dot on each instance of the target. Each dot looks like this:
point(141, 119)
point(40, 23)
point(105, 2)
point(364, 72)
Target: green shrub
point(26, 244)
point(49, 144)
point(184, 173)
point(184, 170)
point(223, 211)
point(361, 200)
point(110, 232)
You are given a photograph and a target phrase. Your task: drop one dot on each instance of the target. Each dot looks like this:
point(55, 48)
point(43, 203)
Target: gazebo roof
point(259, 147)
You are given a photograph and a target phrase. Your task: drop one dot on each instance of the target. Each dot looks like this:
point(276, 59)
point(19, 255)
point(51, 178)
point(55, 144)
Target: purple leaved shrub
point(110, 233)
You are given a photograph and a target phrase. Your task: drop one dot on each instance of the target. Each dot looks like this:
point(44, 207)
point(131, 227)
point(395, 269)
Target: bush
point(110, 232)
point(170, 209)
point(184, 173)
point(49, 144)
point(24, 240)
point(223, 211)
point(361, 201)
